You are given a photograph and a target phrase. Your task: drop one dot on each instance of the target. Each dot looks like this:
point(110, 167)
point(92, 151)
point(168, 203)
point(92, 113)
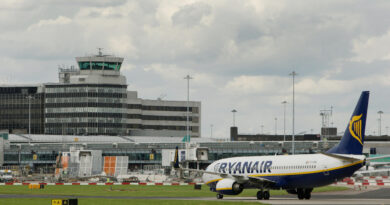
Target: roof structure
point(23, 138)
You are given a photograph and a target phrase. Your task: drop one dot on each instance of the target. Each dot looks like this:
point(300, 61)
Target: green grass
point(130, 191)
point(88, 201)
point(136, 191)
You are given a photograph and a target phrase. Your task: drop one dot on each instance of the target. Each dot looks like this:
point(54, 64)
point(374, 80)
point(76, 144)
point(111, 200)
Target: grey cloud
point(190, 15)
point(247, 33)
point(309, 37)
point(89, 3)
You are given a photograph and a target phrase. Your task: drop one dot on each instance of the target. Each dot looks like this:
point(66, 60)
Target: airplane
point(297, 174)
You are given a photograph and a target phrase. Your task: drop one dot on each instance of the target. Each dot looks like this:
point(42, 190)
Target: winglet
point(176, 159)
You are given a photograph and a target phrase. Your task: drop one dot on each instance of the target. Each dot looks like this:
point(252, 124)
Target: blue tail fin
point(353, 139)
point(176, 159)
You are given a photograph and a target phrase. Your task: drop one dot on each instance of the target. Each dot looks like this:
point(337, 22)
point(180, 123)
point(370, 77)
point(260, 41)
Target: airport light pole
point(188, 78)
point(234, 117)
point(380, 123)
point(284, 120)
point(211, 131)
point(30, 97)
point(276, 125)
point(262, 128)
point(293, 74)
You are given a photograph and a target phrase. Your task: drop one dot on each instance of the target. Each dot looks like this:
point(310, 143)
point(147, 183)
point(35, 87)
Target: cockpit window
point(216, 167)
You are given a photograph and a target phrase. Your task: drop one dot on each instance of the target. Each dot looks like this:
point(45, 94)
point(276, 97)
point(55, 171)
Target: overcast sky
point(240, 54)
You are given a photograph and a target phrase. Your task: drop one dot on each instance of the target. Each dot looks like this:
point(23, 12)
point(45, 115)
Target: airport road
point(372, 196)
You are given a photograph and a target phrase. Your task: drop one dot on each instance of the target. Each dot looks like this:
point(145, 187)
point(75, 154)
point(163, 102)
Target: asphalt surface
point(372, 196)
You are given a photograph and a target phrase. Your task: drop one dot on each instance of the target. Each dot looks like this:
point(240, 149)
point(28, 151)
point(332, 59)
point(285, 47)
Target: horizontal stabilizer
point(351, 159)
point(380, 157)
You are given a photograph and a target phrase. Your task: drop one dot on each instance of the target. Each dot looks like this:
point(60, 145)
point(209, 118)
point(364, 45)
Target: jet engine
point(229, 187)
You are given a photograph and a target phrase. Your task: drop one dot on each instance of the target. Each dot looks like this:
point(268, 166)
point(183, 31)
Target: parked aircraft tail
point(176, 159)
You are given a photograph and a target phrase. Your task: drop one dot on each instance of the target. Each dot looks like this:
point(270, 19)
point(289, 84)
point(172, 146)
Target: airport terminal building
point(90, 108)
point(41, 151)
point(93, 100)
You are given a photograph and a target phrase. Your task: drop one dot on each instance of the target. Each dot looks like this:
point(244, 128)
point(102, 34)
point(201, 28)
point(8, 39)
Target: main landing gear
point(219, 196)
point(263, 195)
point(304, 193)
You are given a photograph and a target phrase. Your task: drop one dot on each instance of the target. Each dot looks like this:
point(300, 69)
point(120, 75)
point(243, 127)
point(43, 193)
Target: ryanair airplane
point(297, 174)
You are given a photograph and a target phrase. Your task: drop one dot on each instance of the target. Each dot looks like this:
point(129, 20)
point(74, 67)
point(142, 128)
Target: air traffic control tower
point(100, 68)
point(90, 100)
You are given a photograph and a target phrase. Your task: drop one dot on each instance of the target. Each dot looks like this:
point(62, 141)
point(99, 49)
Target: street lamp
point(284, 120)
point(188, 137)
point(234, 117)
point(30, 97)
point(380, 122)
point(293, 74)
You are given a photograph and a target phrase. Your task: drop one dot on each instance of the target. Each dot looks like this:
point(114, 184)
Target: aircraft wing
point(205, 172)
point(223, 175)
point(259, 181)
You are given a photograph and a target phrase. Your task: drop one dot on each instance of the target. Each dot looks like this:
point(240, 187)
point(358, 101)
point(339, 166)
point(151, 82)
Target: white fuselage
point(278, 166)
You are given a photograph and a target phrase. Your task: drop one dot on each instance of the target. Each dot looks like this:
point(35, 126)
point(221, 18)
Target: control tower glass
point(91, 65)
point(99, 62)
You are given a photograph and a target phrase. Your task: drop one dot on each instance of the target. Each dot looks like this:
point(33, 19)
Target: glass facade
point(139, 154)
point(175, 121)
point(93, 103)
point(85, 109)
point(14, 109)
point(91, 65)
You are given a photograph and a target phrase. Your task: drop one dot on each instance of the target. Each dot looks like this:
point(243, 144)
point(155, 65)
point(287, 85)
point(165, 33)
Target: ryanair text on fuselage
point(244, 167)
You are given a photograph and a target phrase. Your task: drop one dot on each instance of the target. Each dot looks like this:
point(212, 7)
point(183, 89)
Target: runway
point(372, 196)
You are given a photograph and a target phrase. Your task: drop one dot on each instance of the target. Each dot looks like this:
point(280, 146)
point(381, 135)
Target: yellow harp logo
point(355, 128)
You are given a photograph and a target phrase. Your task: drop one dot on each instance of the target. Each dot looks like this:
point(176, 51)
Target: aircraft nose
point(205, 177)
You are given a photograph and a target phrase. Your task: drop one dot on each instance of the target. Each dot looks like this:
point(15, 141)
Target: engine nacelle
point(229, 187)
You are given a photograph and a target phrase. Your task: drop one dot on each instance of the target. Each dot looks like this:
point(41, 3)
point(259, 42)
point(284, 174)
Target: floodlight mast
point(380, 123)
point(188, 138)
point(293, 74)
point(30, 97)
point(284, 120)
